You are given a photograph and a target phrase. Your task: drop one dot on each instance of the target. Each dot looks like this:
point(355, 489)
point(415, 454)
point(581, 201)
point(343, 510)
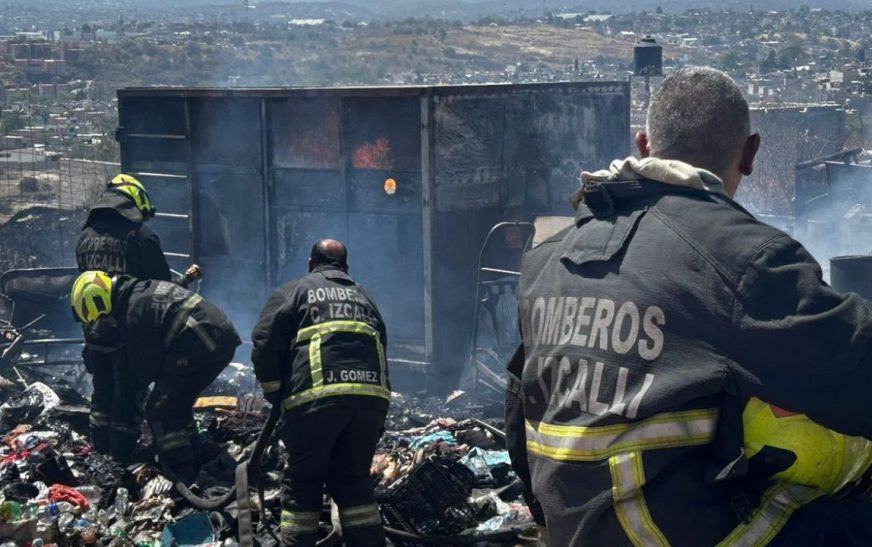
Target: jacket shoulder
point(718, 230)
point(544, 249)
point(143, 232)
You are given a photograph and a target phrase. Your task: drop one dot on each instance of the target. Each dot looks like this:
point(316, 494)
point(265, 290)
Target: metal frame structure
point(446, 222)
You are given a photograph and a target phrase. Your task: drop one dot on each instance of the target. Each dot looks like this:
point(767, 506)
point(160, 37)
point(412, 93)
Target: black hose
point(213, 504)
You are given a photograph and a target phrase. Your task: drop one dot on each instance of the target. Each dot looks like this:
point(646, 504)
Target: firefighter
point(649, 324)
point(319, 351)
point(172, 337)
point(115, 240)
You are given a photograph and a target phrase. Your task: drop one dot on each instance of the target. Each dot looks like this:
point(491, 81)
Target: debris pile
point(448, 476)
point(438, 474)
point(57, 490)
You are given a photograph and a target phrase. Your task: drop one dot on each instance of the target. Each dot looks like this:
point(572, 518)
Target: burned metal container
point(411, 178)
point(852, 274)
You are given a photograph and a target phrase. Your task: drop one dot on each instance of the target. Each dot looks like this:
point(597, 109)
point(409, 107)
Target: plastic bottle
point(10, 511)
point(93, 493)
point(119, 529)
point(37, 542)
point(67, 522)
point(121, 502)
point(66, 507)
point(31, 510)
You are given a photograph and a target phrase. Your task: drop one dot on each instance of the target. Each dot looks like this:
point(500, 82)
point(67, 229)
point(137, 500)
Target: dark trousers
point(332, 445)
point(170, 413)
point(116, 403)
point(828, 521)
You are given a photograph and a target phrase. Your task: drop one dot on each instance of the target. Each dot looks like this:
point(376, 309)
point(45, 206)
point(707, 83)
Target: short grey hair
point(698, 116)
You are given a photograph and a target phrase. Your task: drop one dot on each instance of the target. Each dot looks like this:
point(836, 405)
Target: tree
point(730, 62)
point(659, 10)
point(790, 56)
point(770, 63)
point(10, 122)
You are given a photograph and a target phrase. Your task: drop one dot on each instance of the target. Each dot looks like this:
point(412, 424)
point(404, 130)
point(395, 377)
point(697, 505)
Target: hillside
point(410, 54)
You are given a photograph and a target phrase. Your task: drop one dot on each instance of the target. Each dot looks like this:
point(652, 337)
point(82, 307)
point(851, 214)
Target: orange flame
point(373, 155)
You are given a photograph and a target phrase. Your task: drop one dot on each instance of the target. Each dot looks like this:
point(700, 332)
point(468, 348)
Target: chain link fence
point(43, 199)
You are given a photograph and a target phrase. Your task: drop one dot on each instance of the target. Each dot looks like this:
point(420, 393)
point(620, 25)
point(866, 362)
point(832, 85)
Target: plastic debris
point(35, 401)
point(437, 472)
point(195, 529)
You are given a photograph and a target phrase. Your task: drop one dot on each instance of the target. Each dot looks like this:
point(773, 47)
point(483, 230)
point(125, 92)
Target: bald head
point(328, 252)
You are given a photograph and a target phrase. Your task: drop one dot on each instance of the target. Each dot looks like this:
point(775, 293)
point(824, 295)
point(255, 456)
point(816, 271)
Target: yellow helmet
point(825, 459)
point(133, 189)
point(91, 296)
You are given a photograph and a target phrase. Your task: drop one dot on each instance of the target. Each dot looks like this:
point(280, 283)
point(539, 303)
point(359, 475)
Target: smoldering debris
point(441, 475)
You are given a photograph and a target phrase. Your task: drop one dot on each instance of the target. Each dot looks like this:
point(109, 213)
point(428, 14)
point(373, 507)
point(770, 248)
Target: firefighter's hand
point(194, 273)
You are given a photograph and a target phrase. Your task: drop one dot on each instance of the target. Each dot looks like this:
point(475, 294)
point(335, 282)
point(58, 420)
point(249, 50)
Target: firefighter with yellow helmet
point(115, 240)
point(172, 337)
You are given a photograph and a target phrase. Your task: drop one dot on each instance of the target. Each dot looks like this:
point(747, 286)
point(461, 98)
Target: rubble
point(441, 476)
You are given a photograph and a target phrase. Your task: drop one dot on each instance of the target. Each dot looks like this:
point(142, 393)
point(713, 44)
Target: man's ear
point(641, 140)
point(749, 152)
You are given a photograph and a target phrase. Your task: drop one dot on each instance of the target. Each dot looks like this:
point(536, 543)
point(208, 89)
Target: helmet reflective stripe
point(91, 296)
point(132, 188)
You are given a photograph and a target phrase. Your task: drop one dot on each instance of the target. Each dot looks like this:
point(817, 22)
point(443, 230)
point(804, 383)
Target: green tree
point(730, 62)
point(769, 63)
point(790, 56)
point(11, 121)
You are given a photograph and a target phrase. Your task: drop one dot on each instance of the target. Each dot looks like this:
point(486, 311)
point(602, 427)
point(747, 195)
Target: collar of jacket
point(114, 201)
point(332, 272)
point(630, 172)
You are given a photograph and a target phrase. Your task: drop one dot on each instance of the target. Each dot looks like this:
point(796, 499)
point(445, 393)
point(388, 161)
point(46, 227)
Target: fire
point(315, 147)
point(390, 187)
point(373, 155)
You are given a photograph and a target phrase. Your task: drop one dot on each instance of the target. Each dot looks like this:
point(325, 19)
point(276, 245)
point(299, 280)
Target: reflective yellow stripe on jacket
point(586, 444)
point(776, 506)
point(628, 477)
point(622, 445)
point(319, 389)
point(181, 318)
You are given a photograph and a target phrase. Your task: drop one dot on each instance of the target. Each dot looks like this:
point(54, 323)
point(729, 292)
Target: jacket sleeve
point(799, 344)
point(272, 336)
point(145, 349)
point(516, 436)
point(152, 260)
point(383, 335)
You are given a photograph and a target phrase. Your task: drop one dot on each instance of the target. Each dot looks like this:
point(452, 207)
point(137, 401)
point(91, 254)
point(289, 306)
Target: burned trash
point(441, 476)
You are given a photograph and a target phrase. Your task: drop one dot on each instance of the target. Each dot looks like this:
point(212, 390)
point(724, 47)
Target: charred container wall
point(411, 178)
